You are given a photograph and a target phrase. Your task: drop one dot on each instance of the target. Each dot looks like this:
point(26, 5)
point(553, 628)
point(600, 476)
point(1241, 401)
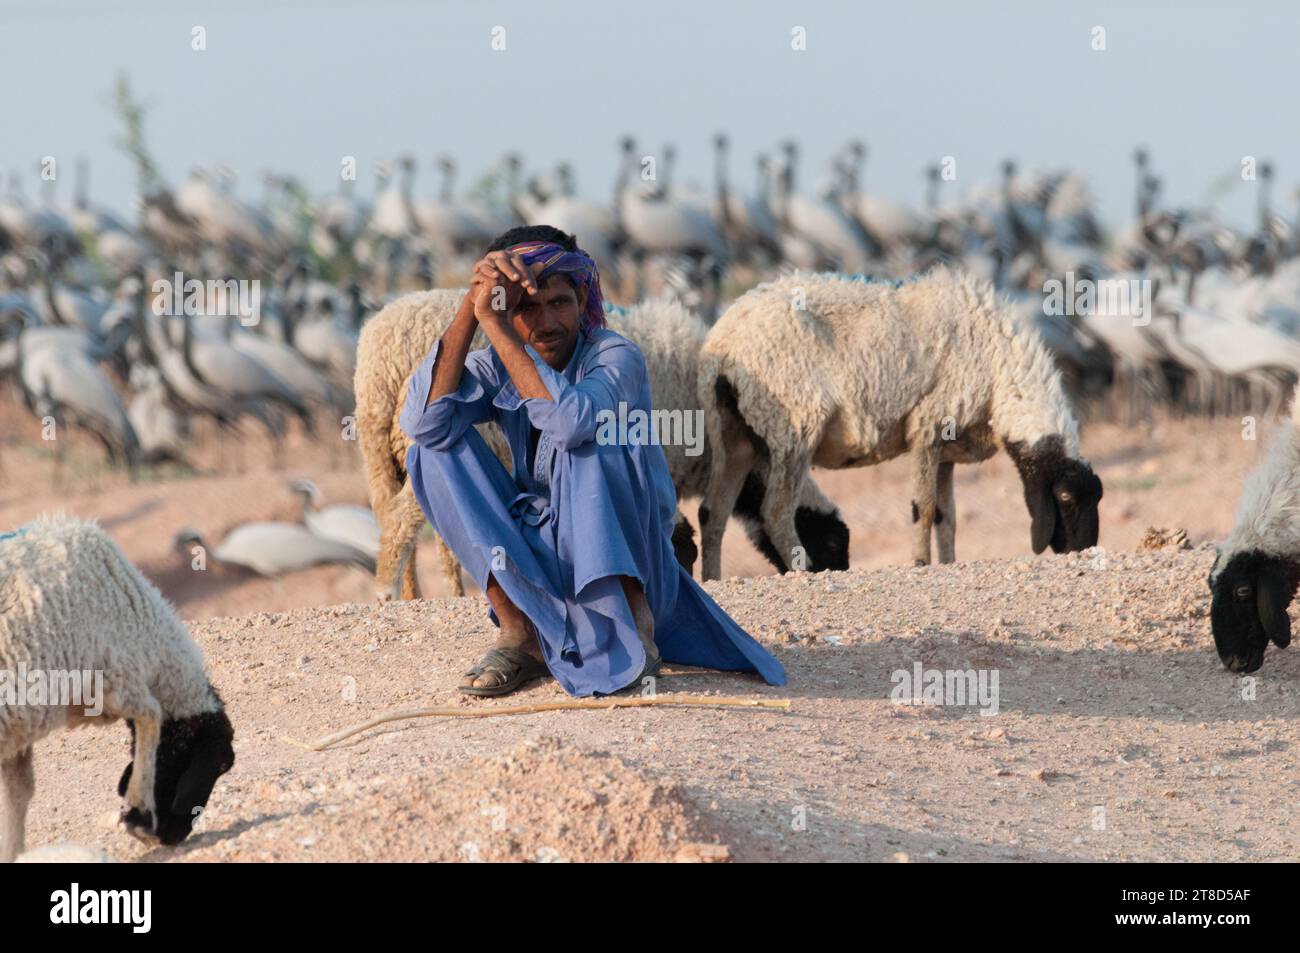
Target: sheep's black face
point(1249, 598)
point(1062, 495)
point(823, 535)
point(1076, 492)
point(825, 538)
point(192, 753)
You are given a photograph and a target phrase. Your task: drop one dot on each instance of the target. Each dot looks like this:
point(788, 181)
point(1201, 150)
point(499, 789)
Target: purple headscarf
point(555, 259)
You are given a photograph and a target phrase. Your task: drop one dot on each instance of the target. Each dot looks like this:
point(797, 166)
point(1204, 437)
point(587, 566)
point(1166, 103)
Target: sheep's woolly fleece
point(72, 601)
point(670, 338)
point(1268, 516)
point(941, 345)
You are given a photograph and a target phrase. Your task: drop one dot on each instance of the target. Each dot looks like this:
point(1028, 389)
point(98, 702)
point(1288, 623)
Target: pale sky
point(293, 86)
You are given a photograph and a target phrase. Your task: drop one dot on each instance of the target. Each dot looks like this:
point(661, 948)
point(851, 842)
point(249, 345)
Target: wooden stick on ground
point(724, 701)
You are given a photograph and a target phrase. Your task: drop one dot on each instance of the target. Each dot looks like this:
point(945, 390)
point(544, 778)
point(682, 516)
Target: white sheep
point(399, 337)
point(836, 372)
point(1257, 570)
point(75, 614)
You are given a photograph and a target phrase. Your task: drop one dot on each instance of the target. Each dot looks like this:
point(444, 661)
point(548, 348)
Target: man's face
point(548, 320)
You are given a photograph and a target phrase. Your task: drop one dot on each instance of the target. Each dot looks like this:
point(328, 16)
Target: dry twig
point(724, 701)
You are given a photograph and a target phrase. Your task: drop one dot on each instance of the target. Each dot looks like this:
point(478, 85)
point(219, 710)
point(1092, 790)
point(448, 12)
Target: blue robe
point(558, 536)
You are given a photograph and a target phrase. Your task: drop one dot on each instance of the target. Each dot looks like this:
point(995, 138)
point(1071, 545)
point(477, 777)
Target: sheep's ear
point(1272, 595)
point(1042, 515)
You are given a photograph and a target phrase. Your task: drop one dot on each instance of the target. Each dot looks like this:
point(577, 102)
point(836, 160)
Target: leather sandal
point(515, 665)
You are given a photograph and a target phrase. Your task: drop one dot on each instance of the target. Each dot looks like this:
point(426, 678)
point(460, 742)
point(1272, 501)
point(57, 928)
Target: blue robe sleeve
point(573, 416)
point(438, 425)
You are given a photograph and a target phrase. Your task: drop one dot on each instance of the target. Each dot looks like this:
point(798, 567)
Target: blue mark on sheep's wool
point(867, 279)
point(615, 309)
point(14, 533)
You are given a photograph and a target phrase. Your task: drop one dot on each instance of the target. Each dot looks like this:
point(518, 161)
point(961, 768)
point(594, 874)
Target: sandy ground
point(1118, 736)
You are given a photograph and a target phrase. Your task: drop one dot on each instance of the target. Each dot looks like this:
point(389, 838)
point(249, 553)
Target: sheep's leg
point(731, 464)
point(945, 528)
point(410, 578)
point(400, 520)
point(924, 503)
point(141, 813)
point(785, 475)
point(18, 784)
point(388, 565)
point(410, 520)
point(450, 568)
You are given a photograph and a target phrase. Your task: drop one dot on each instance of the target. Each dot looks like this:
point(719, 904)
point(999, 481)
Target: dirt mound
point(543, 801)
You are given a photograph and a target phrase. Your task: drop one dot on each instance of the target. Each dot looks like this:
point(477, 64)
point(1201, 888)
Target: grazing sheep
point(836, 372)
point(71, 602)
point(1257, 569)
point(396, 340)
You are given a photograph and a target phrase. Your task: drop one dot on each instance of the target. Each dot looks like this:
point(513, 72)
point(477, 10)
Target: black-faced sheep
point(71, 605)
point(836, 372)
point(1257, 570)
point(399, 337)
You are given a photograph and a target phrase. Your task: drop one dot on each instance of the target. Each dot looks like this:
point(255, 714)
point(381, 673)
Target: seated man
point(573, 549)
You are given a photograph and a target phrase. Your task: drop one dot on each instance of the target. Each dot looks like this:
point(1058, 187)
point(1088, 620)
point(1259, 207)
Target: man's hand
point(499, 281)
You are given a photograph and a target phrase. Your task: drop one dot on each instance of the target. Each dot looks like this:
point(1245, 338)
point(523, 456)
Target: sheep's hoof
point(920, 562)
point(142, 825)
